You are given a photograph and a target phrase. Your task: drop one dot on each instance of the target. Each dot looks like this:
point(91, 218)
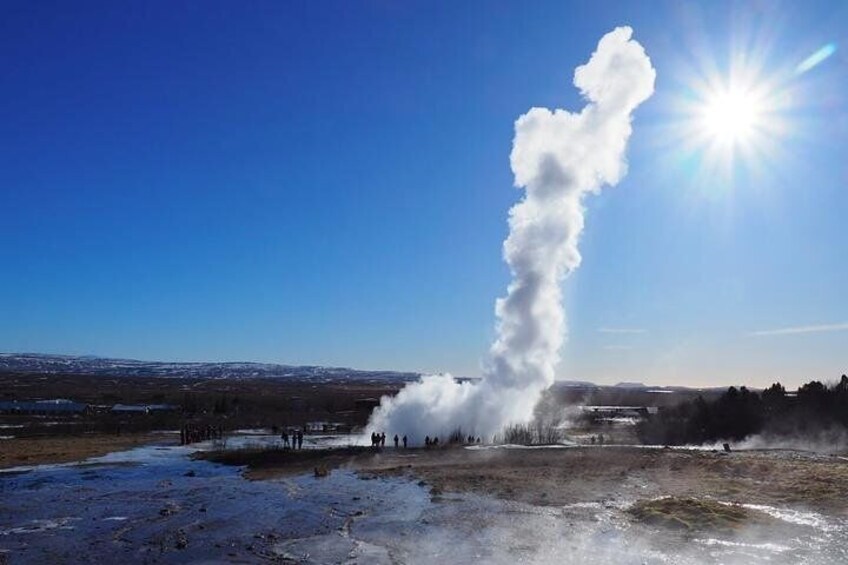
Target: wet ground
point(155, 504)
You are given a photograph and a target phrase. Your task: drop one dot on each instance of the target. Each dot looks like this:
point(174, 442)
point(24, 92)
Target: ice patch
point(36, 526)
point(798, 517)
point(772, 547)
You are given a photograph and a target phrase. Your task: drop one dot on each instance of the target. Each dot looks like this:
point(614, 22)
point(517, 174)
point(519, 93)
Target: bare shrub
point(542, 431)
point(456, 436)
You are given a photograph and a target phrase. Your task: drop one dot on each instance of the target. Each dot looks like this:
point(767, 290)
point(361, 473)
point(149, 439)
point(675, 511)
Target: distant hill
point(576, 384)
point(89, 365)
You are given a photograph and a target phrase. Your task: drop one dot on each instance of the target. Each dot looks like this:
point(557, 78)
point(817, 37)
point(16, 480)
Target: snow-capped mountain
point(89, 365)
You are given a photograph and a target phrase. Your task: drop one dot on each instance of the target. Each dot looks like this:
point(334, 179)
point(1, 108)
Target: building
point(141, 408)
point(54, 406)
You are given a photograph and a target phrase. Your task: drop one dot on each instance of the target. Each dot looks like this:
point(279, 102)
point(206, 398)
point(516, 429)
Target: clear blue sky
point(328, 183)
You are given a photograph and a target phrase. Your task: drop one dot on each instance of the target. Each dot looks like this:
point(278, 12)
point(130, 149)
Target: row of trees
point(739, 413)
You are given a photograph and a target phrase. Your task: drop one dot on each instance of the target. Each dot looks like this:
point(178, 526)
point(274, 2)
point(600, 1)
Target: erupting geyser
point(557, 157)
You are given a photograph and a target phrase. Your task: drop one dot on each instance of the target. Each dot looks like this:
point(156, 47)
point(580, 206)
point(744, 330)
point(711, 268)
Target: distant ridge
point(91, 365)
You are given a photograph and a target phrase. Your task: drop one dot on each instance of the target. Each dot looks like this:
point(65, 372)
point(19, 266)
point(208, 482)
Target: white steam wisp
point(557, 157)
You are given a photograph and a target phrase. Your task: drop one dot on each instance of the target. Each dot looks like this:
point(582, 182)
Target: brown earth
point(38, 451)
point(230, 403)
point(565, 476)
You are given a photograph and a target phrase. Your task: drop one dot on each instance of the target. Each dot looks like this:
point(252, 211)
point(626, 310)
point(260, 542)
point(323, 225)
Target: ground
point(256, 502)
point(43, 450)
point(561, 476)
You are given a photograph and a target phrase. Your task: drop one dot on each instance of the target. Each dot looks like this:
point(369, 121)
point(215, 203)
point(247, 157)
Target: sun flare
point(732, 116)
point(732, 124)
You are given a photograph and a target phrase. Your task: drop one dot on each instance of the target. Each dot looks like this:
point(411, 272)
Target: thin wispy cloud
point(622, 330)
point(821, 328)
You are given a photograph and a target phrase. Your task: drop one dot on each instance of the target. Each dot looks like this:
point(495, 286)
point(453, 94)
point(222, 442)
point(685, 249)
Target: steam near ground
point(833, 440)
point(558, 157)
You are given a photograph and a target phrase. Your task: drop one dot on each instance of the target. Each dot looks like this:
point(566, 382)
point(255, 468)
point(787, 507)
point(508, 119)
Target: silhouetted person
point(396, 441)
point(383, 439)
point(300, 439)
point(436, 441)
point(404, 442)
point(427, 441)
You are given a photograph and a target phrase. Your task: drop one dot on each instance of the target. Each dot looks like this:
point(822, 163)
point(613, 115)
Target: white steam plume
point(558, 157)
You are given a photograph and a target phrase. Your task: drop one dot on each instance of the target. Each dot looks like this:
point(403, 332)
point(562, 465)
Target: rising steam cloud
point(557, 157)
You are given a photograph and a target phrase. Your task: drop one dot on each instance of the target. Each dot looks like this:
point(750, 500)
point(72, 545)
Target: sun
point(731, 125)
point(732, 116)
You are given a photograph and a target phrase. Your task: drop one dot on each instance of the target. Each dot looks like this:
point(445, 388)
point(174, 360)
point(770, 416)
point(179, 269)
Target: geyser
point(557, 157)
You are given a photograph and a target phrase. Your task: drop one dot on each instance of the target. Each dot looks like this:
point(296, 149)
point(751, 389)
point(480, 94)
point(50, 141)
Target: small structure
point(161, 407)
point(129, 409)
point(317, 427)
point(141, 408)
point(54, 406)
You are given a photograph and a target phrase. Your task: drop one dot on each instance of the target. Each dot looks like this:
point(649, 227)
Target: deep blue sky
point(328, 183)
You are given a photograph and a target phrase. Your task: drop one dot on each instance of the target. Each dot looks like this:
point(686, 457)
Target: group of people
point(379, 440)
point(434, 442)
point(294, 441)
point(192, 434)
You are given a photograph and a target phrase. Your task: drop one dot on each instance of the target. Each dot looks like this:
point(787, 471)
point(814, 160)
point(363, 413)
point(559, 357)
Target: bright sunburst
point(733, 122)
point(737, 120)
point(733, 116)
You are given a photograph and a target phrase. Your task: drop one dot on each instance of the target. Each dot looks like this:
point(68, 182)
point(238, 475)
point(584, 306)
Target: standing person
point(427, 441)
point(300, 439)
point(285, 437)
point(404, 442)
point(396, 441)
point(383, 440)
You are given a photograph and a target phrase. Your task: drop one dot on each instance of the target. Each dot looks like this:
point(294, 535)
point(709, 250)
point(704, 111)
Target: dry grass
point(39, 451)
point(696, 515)
point(555, 477)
